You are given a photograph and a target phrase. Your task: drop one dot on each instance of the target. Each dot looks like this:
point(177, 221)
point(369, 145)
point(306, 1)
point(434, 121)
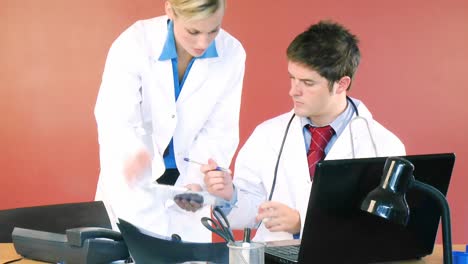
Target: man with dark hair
point(327, 48)
point(324, 124)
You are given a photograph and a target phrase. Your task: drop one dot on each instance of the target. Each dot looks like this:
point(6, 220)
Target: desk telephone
point(90, 245)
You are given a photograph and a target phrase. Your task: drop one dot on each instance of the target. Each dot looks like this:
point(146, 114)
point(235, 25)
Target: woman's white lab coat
point(256, 161)
point(136, 108)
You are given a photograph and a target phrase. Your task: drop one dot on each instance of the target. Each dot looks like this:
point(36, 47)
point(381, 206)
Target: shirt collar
point(169, 50)
point(339, 124)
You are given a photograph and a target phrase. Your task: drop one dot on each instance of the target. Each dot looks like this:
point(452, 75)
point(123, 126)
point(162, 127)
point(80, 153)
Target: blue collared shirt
point(169, 52)
point(338, 125)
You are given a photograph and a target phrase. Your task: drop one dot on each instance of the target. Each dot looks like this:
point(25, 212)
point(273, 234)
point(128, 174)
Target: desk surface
point(7, 253)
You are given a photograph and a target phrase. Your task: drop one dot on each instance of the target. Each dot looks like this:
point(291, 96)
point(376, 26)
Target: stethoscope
point(356, 118)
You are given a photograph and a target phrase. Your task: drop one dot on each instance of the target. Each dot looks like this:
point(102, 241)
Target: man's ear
point(342, 84)
point(169, 10)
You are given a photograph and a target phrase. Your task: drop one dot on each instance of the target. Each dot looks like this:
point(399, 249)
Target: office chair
point(53, 218)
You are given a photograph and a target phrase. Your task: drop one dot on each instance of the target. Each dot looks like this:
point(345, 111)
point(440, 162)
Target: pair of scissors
point(221, 226)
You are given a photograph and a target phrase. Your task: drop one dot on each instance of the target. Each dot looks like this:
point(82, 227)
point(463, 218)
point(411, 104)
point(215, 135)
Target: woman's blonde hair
point(196, 9)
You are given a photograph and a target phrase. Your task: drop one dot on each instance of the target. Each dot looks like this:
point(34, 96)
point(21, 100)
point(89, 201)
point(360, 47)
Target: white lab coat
point(136, 108)
point(256, 161)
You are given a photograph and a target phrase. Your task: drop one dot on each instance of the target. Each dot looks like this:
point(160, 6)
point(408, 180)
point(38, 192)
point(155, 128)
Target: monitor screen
point(338, 230)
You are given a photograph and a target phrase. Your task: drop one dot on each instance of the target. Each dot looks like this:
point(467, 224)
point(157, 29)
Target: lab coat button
point(173, 116)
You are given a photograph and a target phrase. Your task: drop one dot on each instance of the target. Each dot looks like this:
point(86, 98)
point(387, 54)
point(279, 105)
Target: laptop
point(337, 231)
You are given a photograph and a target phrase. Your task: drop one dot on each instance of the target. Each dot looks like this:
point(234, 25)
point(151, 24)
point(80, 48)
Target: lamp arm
point(445, 214)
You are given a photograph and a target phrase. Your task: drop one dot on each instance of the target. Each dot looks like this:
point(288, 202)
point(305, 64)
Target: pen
point(199, 163)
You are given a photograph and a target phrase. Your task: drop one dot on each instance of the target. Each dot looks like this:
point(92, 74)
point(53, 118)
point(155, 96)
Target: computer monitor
point(336, 230)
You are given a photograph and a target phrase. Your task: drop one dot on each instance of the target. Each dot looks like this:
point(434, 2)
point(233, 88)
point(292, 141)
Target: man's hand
point(135, 165)
point(279, 217)
point(218, 183)
point(190, 201)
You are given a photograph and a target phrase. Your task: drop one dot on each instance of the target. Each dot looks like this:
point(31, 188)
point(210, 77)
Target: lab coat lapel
point(362, 143)
point(295, 169)
point(159, 90)
point(342, 148)
point(160, 75)
point(164, 82)
point(196, 78)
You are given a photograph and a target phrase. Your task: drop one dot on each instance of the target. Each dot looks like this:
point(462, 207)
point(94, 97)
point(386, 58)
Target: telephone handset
point(77, 236)
point(79, 245)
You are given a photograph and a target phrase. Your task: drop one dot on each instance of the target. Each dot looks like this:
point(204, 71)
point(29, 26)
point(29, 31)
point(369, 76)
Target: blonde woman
point(171, 89)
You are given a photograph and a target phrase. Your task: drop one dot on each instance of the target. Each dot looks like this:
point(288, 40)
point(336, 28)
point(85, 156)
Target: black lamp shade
point(388, 200)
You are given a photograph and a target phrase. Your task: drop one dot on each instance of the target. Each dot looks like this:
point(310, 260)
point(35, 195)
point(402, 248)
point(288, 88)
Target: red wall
point(52, 53)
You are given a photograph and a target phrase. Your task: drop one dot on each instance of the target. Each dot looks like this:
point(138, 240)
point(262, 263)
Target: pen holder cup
point(460, 257)
point(246, 253)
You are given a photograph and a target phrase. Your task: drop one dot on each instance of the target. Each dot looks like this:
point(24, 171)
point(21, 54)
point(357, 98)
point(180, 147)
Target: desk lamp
point(388, 199)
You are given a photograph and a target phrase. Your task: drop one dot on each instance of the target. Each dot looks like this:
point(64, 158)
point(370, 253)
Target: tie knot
point(321, 130)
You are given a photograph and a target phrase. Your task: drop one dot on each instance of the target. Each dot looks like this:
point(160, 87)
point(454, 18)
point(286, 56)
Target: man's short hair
point(329, 49)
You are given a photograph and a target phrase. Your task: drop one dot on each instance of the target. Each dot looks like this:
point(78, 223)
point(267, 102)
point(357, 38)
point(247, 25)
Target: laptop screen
point(337, 231)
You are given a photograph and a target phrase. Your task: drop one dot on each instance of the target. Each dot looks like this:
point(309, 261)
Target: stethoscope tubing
point(273, 184)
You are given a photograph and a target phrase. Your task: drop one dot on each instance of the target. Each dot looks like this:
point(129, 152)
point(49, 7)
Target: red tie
point(320, 138)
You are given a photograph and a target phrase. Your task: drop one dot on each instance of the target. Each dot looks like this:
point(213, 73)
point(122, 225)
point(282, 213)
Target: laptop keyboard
point(284, 252)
